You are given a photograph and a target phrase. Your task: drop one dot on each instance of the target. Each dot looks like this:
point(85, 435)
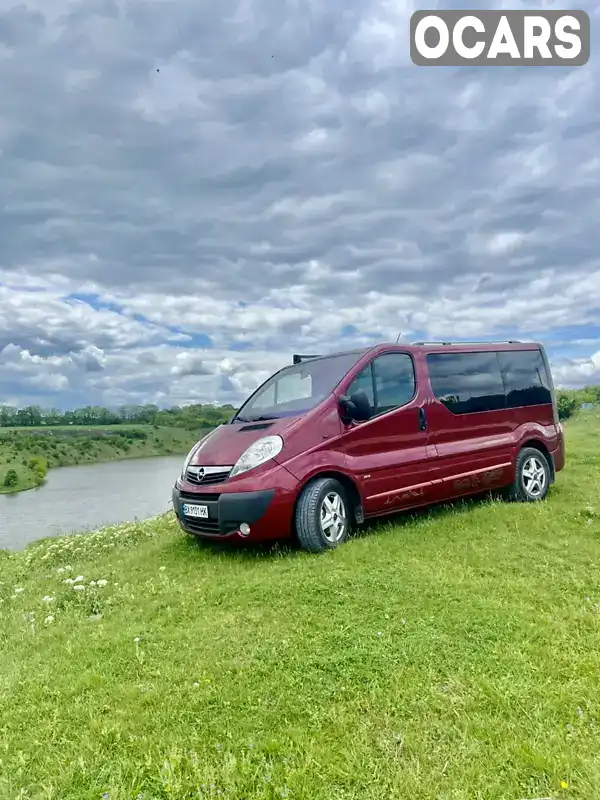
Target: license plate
point(195, 511)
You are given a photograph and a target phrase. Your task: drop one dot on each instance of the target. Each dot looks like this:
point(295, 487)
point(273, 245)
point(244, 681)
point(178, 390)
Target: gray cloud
point(279, 177)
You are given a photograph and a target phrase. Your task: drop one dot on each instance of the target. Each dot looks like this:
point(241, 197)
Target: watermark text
point(499, 38)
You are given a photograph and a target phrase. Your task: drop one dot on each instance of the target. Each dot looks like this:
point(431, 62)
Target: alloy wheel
point(534, 477)
point(333, 517)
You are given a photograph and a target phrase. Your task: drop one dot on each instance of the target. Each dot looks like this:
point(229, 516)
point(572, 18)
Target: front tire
point(323, 520)
point(532, 477)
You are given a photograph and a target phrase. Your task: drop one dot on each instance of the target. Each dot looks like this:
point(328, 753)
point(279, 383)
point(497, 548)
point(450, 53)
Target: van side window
point(395, 382)
point(525, 378)
point(389, 382)
point(364, 381)
point(467, 383)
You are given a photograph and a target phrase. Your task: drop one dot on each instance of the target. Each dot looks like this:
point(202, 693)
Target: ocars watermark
point(499, 38)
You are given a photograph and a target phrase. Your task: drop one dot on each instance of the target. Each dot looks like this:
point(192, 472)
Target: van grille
point(202, 525)
point(200, 497)
point(206, 526)
point(207, 476)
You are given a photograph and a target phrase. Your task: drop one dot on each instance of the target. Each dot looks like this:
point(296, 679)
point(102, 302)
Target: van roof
point(481, 346)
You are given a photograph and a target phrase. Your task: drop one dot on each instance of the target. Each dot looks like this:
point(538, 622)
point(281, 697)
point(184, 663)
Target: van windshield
point(297, 389)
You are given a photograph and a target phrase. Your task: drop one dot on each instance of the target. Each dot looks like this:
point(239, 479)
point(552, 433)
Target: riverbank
point(453, 654)
point(84, 498)
point(29, 452)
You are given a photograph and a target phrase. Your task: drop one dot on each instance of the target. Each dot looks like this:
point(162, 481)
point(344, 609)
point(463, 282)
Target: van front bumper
point(267, 511)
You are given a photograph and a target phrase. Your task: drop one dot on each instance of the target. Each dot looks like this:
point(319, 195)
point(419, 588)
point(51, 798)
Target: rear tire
point(532, 477)
point(323, 517)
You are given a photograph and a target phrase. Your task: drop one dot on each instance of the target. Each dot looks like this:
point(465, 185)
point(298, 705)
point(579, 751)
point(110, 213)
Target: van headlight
point(260, 451)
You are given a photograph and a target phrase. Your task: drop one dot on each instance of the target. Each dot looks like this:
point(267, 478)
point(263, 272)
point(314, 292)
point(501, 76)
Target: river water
point(86, 497)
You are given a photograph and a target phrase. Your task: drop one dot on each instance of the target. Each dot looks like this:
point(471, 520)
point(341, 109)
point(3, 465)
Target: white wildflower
point(79, 588)
point(102, 582)
point(47, 599)
point(49, 619)
point(19, 589)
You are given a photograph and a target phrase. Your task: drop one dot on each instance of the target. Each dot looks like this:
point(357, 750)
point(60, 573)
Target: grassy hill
point(29, 452)
point(449, 656)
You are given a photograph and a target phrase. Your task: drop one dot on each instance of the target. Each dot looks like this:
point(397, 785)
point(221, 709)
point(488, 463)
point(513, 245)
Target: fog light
point(245, 529)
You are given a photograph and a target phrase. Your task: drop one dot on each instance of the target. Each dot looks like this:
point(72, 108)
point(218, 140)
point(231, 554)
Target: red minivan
point(330, 441)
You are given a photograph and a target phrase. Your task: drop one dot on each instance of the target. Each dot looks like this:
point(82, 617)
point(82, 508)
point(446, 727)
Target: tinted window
point(389, 382)
point(467, 382)
point(394, 381)
point(525, 378)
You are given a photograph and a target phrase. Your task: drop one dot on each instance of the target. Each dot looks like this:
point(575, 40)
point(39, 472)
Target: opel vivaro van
point(332, 440)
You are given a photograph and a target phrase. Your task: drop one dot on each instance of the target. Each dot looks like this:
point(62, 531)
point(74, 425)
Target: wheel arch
point(354, 495)
point(537, 444)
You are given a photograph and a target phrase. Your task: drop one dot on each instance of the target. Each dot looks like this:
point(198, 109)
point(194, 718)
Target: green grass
point(69, 445)
point(454, 655)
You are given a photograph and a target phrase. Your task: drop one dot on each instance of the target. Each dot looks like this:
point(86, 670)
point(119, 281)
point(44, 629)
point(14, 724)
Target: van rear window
point(488, 381)
point(525, 377)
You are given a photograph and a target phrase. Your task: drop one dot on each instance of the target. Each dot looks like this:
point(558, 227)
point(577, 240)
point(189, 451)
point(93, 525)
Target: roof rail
point(298, 358)
point(481, 341)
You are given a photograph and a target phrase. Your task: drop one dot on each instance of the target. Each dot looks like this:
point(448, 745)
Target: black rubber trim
point(239, 507)
point(228, 509)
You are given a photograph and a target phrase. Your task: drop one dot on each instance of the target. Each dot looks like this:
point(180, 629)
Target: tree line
point(191, 416)
point(197, 415)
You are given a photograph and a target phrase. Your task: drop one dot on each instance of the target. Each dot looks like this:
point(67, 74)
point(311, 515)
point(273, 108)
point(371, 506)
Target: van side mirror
point(356, 407)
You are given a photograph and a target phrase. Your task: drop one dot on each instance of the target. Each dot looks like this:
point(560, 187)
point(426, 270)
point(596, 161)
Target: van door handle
point(422, 419)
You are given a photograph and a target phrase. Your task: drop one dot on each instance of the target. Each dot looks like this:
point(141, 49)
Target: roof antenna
point(399, 335)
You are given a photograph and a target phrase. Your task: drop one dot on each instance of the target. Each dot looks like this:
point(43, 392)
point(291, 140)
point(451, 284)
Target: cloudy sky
point(191, 191)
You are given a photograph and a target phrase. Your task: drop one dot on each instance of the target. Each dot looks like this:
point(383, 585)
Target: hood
point(223, 446)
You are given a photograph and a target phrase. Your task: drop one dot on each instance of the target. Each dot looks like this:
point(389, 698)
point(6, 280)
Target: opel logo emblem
point(200, 473)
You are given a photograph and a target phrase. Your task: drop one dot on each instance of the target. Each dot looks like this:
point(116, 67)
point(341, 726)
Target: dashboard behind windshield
point(297, 389)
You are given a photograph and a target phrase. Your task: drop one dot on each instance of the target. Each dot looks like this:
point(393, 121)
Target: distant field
point(449, 655)
point(70, 444)
point(75, 428)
